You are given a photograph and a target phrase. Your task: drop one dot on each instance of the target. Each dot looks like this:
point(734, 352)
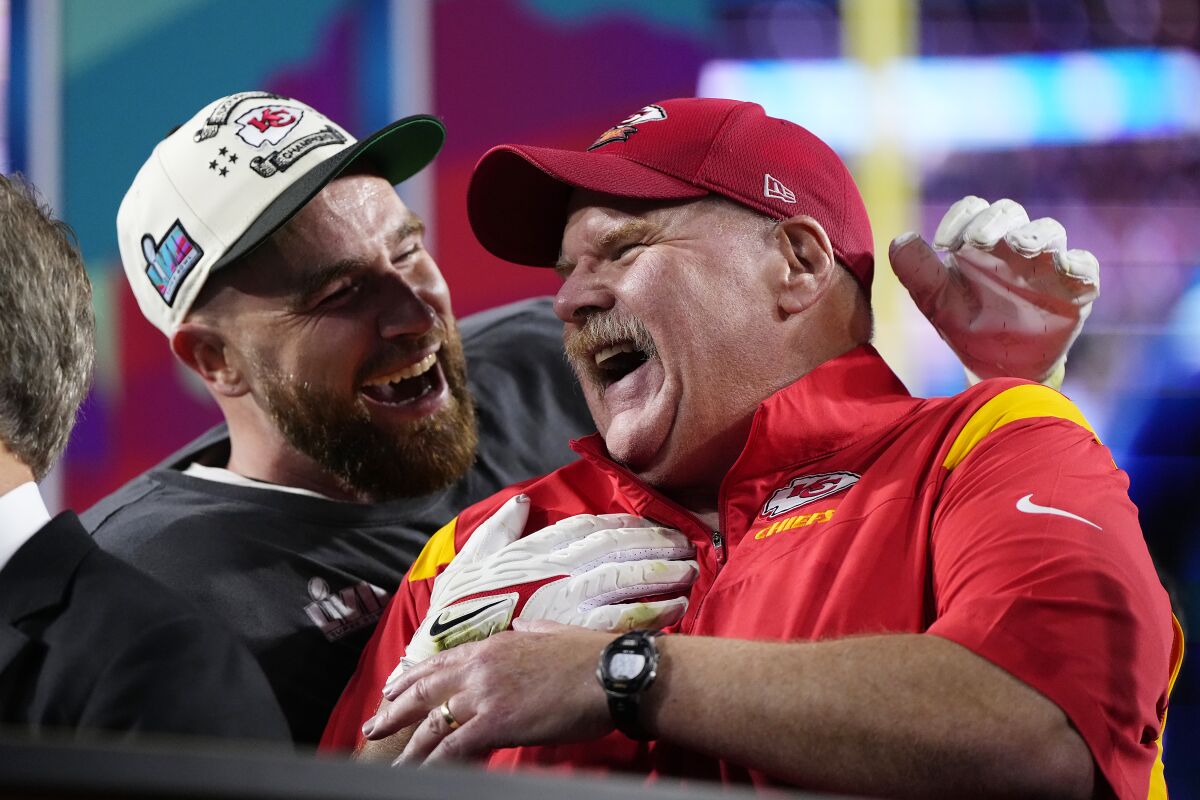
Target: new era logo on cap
point(773, 189)
point(229, 177)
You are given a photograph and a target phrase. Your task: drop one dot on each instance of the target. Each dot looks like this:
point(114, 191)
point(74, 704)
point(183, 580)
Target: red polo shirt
point(993, 518)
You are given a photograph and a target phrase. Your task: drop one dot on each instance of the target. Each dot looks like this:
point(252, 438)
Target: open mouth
point(615, 361)
point(406, 385)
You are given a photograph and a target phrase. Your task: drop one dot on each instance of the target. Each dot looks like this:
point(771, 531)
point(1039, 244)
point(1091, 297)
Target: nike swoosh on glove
point(1010, 298)
point(598, 572)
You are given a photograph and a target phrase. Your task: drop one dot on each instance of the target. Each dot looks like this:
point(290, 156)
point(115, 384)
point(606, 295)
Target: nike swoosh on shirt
point(1027, 505)
point(438, 627)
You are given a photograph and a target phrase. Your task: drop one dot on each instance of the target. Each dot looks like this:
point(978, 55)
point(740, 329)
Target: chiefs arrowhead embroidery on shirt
point(807, 489)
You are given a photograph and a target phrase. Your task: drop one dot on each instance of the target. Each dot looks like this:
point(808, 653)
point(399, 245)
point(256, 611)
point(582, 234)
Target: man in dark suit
point(86, 641)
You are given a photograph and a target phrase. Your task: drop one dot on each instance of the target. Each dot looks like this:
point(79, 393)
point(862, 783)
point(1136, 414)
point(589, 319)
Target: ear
point(204, 350)
point(810, 262)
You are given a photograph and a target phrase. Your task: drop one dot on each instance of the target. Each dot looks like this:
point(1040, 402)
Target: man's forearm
point(899, 715)
point(903, 715)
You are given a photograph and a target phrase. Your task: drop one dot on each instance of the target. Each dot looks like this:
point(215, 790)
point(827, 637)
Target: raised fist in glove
point(1010, 297)
point(585, 570)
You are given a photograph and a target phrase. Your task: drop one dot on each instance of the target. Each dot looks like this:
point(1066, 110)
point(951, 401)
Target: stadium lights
point(928, 105)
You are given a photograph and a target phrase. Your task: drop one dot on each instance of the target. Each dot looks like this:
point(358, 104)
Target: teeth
point(411, 371)
point(614, 350)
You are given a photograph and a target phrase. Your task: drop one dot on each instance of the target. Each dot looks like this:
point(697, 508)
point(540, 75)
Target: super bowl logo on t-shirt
point(807, 489)
point(268, 124)
point(347, 610)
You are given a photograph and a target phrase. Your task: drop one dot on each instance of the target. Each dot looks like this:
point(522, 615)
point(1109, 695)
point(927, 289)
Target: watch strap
point(625, 712)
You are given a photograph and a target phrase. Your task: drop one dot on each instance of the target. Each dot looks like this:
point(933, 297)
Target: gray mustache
point(601, 330)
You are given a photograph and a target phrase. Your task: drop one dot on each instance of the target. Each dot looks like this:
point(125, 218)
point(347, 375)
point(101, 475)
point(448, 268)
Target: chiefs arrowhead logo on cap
point(268, 124)
point(628, 126)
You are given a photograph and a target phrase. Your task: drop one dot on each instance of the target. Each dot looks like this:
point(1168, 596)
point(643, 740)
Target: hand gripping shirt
point(993, 518)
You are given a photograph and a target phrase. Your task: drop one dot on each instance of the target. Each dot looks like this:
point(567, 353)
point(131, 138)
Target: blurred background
point(1084, 110)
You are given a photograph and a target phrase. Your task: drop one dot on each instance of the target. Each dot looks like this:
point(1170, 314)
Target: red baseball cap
point(673, 150)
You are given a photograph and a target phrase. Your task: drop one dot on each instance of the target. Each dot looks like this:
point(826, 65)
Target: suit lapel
point(40, 573)
point(12, 642)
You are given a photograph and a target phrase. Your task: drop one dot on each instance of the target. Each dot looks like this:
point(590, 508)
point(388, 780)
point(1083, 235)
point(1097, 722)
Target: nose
point(404, 309)
point(582, 294)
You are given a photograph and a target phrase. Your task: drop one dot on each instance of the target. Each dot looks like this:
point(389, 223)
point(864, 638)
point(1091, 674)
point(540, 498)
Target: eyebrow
point(627, 231)
point(412, 226)
point(322, 276)
point(312, 283)
point(564, 266)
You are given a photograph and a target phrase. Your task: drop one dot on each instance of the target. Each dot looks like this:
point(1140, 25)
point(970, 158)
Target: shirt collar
point(840, 402)
point(22, 514)
point(222, 475)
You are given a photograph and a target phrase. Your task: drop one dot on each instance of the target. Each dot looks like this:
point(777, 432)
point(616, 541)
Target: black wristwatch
point(628, 666)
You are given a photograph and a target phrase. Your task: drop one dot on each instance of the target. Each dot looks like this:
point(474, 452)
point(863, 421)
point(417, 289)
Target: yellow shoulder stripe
point(1158, 781)
point(438, 552)
point(1017, 403)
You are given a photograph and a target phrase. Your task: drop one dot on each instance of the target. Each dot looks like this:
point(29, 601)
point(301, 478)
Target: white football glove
point(580, 571)
point(1010, 298)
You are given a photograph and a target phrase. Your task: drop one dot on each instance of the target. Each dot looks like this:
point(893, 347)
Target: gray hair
point(46, 328)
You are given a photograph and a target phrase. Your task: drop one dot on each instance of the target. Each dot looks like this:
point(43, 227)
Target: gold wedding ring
point(448, 716)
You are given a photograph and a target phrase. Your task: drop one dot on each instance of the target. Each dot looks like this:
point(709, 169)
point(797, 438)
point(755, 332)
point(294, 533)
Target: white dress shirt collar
point(22, 514)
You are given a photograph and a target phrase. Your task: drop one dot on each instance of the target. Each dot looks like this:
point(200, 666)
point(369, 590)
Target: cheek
point(326, 353)
point(725, 336)
point(431, 286)
point(282, 359)
point(596, 406)
point(649, 276)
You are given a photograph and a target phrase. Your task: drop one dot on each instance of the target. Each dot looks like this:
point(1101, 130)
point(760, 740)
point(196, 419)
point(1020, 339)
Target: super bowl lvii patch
point(169, 260)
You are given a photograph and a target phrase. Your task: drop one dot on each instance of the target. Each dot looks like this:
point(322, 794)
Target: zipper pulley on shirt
point(714, 536)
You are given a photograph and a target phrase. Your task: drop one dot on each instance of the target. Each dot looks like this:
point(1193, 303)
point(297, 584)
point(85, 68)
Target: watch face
point(626, 666)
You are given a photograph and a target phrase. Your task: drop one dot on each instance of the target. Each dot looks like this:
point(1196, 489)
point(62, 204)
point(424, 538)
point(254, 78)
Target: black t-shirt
point(304, 580)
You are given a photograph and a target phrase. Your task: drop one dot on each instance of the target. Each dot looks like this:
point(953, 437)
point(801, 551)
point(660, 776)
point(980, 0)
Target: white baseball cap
point(229, 177)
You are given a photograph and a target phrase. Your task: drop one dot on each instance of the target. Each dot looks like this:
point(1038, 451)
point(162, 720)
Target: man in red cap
point(894, 596)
